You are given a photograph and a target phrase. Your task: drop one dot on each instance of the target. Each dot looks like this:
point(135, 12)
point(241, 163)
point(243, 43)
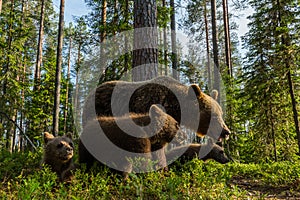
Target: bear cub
point(140, 135)
point(188, 152)
point(58, 154)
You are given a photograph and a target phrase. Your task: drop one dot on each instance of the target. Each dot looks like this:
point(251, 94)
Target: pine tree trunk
point(207, 47)
point(67, 88)
point(165, 44)
point(173, 41)
point(126, 42)
point(39, 57)
point(58, 69)
point(103, 20)
point(227, 38)
point(294, 106)
point(217, 77)
point(145, 52)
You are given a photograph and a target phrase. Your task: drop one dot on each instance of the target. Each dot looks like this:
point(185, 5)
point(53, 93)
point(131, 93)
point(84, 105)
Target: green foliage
point(193, 180)
point(265, 86)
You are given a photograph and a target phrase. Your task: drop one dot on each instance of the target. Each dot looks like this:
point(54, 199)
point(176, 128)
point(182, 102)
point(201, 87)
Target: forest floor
point(22, 178)
point(256, 188)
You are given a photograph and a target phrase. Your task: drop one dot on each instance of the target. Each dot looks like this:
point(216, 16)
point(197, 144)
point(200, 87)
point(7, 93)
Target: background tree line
point(262, 88)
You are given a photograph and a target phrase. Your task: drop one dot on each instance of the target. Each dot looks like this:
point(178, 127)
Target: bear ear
point(194, 90)
point(69, 135)
point(155, 111)
point(47, 137)
point(214, 94)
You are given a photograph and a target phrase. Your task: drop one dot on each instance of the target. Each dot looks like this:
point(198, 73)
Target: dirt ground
point(256, 189)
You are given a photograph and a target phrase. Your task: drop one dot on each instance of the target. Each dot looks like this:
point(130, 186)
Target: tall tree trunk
point(39, 57)
point(67, 88)
point(22, 78)
point(58, 69)
point(294, 106)
point(126, 59)
point(102, 40)
point(145, 52)
point(103, 20)
point(173, 41)
point(217, 77)
point(207, 47)
point(165, 44)
point(227, 38)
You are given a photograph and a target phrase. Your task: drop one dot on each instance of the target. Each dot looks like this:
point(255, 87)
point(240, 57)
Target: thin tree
point(58, 69)
point(0, 6)
point(207, 46)
point(39, 57)
point(215, 46)
point(165, 44)
point(227, 38)
point(145, 53)
point(173, 41)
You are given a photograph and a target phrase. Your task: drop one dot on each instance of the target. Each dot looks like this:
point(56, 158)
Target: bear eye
point(60, 145)
point(71, 144)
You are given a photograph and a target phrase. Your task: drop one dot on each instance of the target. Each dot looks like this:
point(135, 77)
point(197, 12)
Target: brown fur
point(191, 151)
point(159, 91)
point(58, 154)
point(163, 125)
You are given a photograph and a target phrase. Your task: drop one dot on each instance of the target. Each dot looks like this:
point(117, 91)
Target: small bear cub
point(58, 154)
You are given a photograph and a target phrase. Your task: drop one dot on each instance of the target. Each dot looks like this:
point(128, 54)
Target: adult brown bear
point(186, 104)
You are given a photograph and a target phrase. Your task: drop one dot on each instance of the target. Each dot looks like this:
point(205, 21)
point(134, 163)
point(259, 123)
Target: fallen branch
point(21, 131)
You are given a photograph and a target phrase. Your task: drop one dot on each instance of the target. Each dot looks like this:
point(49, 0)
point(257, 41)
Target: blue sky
point(72, 8)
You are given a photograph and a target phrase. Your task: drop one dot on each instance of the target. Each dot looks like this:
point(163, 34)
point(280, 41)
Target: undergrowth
point(22, 178)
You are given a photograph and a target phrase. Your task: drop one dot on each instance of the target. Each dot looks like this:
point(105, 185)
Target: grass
point(21, 178)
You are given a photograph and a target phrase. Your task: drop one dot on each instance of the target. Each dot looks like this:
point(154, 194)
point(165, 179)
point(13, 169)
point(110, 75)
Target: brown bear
point(186, 104)
point(58, 154)
point(115, 141)
point(202, 151)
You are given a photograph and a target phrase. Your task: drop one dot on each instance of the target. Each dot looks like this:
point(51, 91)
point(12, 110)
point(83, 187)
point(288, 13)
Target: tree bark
point(227, 38)
point(207, 47)
point(173, 41)
point(58, 69)
point(145, 52)
point(165, 44)
point(39, 57)
point(215, 47)
point(103, 20)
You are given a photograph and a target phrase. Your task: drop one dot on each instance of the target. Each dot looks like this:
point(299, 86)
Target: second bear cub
point(112, 140)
